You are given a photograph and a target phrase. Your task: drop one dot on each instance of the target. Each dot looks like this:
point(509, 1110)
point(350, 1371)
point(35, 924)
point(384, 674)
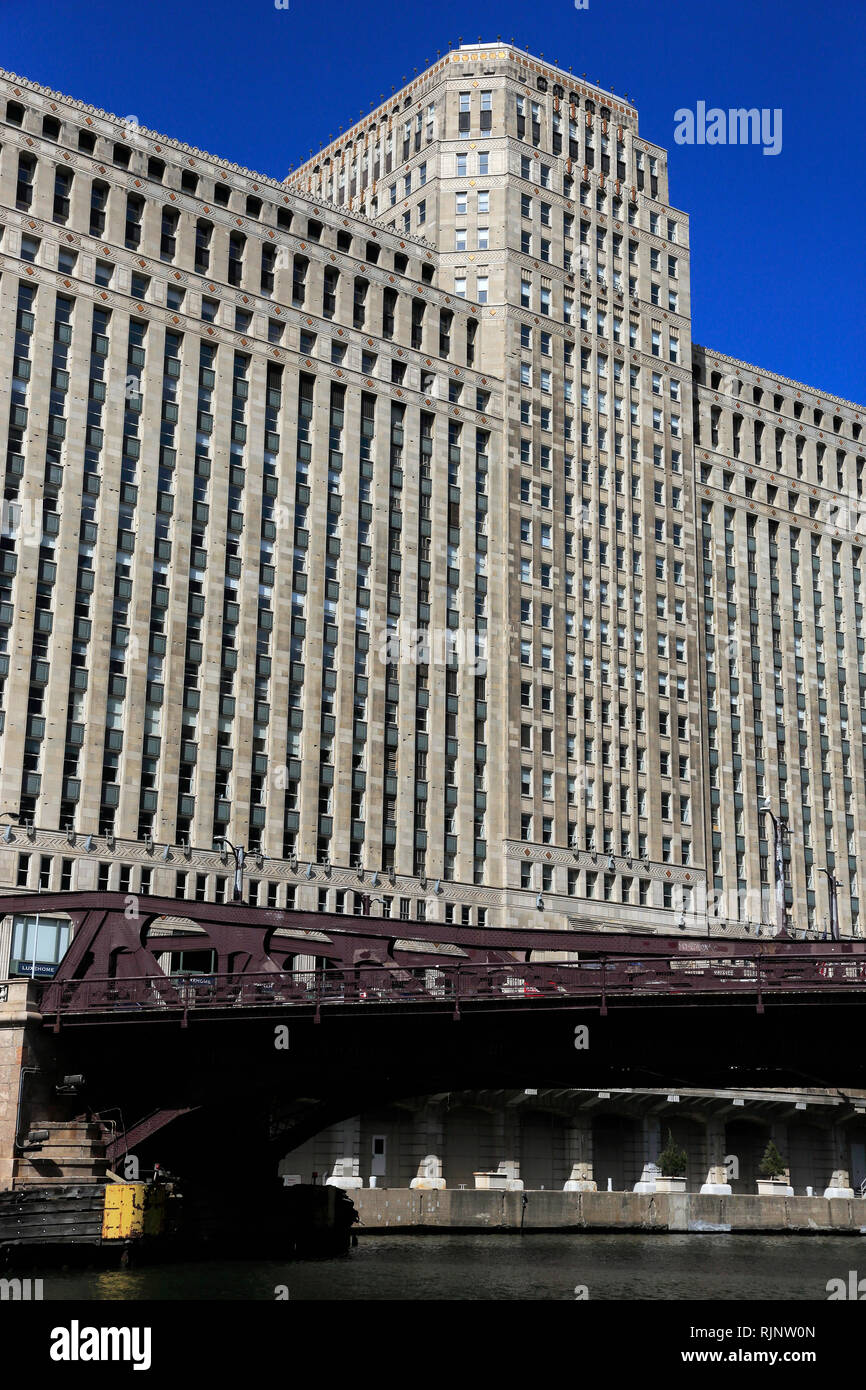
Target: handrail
point(600, 980)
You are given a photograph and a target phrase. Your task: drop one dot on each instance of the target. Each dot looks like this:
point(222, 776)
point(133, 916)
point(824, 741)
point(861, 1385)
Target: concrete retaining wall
point(398, 1209)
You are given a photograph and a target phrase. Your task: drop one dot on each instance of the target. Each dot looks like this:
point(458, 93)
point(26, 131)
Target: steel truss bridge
point(381, 1009)
point(319, 963)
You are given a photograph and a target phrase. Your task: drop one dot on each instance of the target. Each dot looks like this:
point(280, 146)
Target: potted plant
point(673, 1162)
point(773, 1175)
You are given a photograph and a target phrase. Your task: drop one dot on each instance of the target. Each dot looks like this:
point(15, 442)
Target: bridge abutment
point(717, 1184)
point(840, 1181)
point(579, 1139)
point(346, 1170)
point(24, 1053)
point(431, 1125)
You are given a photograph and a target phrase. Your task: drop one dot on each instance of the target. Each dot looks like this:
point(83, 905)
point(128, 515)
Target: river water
point(505, 1267)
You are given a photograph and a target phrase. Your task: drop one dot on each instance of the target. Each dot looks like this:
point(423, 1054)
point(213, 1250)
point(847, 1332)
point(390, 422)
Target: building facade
point(386, 521)
point(779, 473)
point(548, 208)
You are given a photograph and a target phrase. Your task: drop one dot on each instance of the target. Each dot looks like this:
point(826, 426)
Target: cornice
point(763, 373)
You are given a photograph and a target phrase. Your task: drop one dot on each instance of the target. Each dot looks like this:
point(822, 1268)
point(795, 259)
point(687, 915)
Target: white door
point(379, 1156)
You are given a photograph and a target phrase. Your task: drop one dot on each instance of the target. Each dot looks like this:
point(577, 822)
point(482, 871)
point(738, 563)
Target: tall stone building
point(779, 477)
point(548, 208)
point(386, 521)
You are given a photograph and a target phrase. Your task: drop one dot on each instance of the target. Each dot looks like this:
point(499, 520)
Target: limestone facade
point(440, 380)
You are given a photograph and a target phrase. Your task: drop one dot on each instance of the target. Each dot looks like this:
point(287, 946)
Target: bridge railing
point(375, 983)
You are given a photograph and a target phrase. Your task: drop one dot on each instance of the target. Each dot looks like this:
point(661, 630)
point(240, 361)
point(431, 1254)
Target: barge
point(118, 1222)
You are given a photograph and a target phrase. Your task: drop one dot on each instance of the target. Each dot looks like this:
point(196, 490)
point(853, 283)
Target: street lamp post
point(833, 884)
point(240, 854)
point(779, 829)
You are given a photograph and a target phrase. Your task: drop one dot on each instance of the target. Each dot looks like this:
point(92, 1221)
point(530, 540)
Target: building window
point(38, 945)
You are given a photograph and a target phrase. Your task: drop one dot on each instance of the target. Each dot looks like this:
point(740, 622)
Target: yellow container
point(132, 1210)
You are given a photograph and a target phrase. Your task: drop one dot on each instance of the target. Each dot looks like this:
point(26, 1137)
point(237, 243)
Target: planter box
point(670, 1184)
point(491, 1182)
point(500, 1181)
point(774, 1187)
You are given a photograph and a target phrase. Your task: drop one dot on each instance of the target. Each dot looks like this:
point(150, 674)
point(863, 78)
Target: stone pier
point(25, 1088)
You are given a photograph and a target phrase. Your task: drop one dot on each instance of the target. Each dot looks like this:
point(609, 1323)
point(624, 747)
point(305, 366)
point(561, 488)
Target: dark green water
point(502, 1267)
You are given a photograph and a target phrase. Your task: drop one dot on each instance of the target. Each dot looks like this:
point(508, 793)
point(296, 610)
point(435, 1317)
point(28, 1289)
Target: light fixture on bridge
point(326, 868)
point(539, 903)
point(35, 1139)
point(309, 871)
point(70, 834)
point(392, 877)
point(423, 882)
point(293, 864)
point(360, 871)
point(7, 834)
point(681, 921)
point(374, 881)
point(260, 860)
point(88, 843)
point(166, 853)
point(593, 856)
point(224, 853)
point(611, 863)
point(110, 842)
point(148, 842)
point(629, 863)
point(437, 886)
point(187, 849)
point(646, 866)
point(30, 830)
point(70, 1085)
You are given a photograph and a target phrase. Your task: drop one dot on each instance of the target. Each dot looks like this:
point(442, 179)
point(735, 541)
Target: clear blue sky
point(777, 242)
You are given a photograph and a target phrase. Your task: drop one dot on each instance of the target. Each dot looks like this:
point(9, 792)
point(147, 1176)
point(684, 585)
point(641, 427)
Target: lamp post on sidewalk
point(780, 828)
point(833, 884)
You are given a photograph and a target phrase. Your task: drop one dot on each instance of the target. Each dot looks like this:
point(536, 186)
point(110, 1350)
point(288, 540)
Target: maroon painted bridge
point(381, 1010)
point(261, 959)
